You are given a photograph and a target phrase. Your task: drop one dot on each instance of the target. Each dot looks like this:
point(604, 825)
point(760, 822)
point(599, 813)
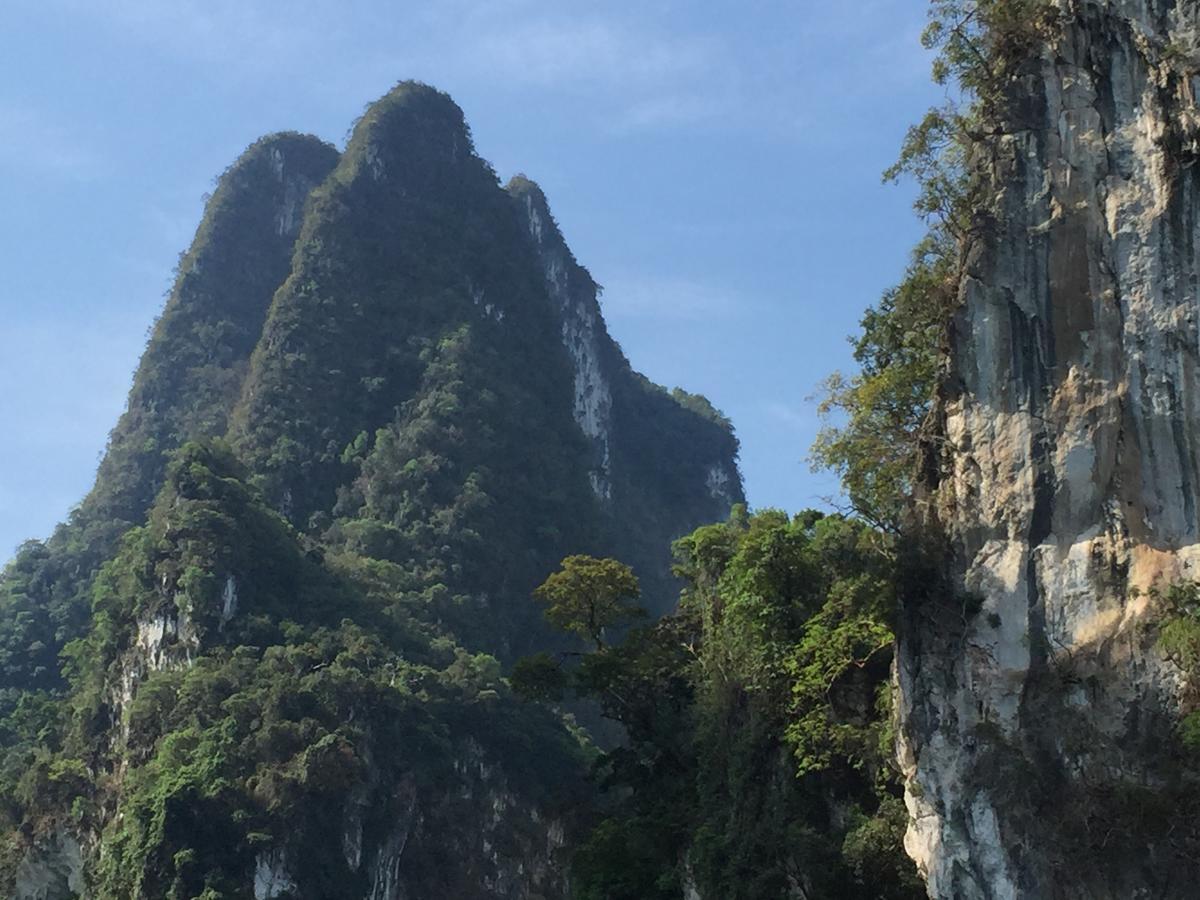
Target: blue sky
point(715, 165)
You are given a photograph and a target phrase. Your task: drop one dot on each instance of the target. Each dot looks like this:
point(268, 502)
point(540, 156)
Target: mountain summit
point(264, 655)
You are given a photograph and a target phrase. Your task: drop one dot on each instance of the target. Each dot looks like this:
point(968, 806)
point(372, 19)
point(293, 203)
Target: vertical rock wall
point(574, 293)
point(1036, 709)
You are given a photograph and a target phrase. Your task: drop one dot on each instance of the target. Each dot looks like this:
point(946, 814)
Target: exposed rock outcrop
point(574, 293)
point(477, 837)
point(51, 870)
point(1036, 708)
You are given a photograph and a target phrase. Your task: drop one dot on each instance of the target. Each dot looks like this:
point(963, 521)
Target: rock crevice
point(1068, 490)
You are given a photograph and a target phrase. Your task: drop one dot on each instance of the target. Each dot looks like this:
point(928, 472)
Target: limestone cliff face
point(574, 294)
point(660, 463)
point(477, 838)
point(1036, 731)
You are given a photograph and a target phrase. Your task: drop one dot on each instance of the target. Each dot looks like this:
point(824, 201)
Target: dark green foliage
point(191, 374)
point(284, 709)
point(186, 384)
point(1179, 638)
point(981, 44)
point(254, 750)
point(589, 597)
point(402, 247)
point(411, 389)
point(874, 422)
point(759, 753)
point(623, 860)
point(872, 848)
point(701, 406)
point(539, 677)
point(35, 622)
point(207, 528)
point(670, 444)
point(450, 492)
point(411, 397)
point(981, 47)
point(793, 714)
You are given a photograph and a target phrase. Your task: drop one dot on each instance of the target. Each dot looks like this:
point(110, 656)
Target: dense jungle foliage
point(760, 709)
point(758, 759)
point(185, 385)
point(313, 687)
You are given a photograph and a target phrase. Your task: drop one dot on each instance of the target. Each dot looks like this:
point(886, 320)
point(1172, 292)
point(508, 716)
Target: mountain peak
point(539, 221)
point(408, 135)
point(190, 375)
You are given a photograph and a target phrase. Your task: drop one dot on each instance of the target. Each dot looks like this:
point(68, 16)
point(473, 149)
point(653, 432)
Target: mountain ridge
point(424, 412)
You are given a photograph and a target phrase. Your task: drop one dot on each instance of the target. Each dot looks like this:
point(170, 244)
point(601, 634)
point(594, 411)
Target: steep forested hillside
point(185, 387)
point(265, 656)
point(759, 755)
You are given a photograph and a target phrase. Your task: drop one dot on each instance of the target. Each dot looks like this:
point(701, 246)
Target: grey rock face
point(52, 869)
point(1068, 482)
point(477, 837)
point(572, 290)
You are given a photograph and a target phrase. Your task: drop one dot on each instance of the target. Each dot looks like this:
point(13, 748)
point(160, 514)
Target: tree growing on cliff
point(588, 596)
point(749, 714)
point(874, 422)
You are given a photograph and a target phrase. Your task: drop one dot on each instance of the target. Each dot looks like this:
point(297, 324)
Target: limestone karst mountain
point(264, 656)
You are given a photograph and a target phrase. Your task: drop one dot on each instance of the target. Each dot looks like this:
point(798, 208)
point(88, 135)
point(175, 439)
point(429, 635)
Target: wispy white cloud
point(793, 417)
point(669, 111)
point(598, 53)
point(633, 67)
point(237, 35)
point(631, 73)
point(32, 142)
point(669, 298)
point(627, 73)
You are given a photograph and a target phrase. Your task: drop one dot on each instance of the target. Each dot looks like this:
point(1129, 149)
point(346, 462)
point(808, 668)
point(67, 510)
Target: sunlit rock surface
point(1067, 480)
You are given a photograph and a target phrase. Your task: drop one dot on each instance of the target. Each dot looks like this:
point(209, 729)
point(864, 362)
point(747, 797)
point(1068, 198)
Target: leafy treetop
point(587, 596)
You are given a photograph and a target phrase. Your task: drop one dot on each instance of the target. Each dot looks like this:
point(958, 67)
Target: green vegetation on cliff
point(877, 422)
point(187, 383)
point(759, 752)
point(233, 691)
point(191, 374)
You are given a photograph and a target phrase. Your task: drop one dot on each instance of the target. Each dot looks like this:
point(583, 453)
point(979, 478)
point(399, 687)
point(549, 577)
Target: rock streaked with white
point(1069, 476)
point(575, 294)
point(271, 876)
